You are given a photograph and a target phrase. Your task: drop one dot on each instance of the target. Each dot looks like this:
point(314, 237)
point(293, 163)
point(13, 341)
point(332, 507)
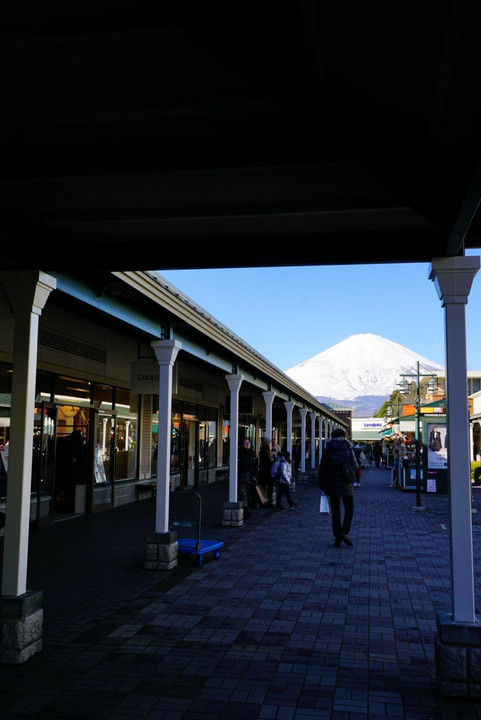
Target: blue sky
point(290, 314)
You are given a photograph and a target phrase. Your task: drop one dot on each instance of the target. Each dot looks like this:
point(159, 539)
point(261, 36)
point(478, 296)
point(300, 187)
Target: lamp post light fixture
point(390, 413)
point(404, 389)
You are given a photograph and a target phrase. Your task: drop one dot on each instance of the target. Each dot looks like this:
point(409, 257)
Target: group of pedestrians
point(339, 473)
point(269, 481)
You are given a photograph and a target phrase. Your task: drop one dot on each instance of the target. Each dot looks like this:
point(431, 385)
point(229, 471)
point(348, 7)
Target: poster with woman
point(437, 446)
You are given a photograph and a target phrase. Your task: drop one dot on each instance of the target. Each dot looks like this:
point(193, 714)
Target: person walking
point(358, 453)
point(284, 482)
point(337, 474)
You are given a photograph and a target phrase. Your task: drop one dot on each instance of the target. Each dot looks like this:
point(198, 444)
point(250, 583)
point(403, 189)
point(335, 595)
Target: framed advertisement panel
point(435, 454)
point(437, 449)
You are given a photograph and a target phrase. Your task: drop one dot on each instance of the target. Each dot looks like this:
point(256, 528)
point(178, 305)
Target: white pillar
point(28, 292)
point(289, 405)
point(453, 277)
point(471, 441)
point(234, 382)
point(269, 399)
point(313, 417)
point(321, 433)
point(303, 412)
point(166, 353)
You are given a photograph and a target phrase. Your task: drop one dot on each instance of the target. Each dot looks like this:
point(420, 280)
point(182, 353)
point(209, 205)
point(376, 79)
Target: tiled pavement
point(282, 627)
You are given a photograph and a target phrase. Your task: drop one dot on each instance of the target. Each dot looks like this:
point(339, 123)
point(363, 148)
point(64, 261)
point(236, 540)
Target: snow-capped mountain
point(361, 371)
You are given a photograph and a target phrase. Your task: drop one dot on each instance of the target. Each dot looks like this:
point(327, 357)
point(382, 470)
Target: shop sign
point(144, 378)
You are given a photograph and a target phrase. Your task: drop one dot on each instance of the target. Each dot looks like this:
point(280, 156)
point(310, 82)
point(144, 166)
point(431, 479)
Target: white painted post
point(28, 292)
point(289, 405)
point(269, 399)
point(313, 417)
point(453, 277)
point(166, 353)
point(234, 382)
point(303, 412)
point(321, 432)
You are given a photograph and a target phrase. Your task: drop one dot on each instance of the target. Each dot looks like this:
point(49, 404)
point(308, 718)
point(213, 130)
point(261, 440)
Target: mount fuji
point(360, 372)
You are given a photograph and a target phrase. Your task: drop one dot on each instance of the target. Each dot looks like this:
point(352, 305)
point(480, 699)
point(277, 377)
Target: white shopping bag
point(324, 507)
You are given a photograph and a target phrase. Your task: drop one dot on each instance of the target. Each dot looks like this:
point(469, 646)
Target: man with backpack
point(337, 475)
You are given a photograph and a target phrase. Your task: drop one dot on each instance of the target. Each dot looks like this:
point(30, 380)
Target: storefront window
point(189, 411)
point(225, 442)
point(207, 450)
point(175, 447)
point(126, 435)
point(155, 434)
point(5, 409)
point(44, 385)
point(104, 434)
point(43, 459)
point(207, 441)
point(103, 396)
point(72, 391)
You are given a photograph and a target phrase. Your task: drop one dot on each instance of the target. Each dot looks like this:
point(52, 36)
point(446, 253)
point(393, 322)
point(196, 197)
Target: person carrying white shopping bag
point(337, 474)
point(324, 506)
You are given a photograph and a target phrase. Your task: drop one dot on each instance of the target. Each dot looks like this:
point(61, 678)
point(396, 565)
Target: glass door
point(43, 465)
point(104, 434)
point(72, 453)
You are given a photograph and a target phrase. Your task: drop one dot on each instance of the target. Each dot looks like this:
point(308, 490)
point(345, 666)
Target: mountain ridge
point(359, 372)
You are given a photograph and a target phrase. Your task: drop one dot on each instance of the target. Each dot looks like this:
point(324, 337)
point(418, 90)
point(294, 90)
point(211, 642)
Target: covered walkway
point(283, 627)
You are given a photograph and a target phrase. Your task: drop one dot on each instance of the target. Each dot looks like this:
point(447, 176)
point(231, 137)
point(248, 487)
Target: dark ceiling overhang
point(187, 134)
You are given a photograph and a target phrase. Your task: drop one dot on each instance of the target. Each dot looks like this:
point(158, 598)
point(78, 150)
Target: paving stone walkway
point(284, 626)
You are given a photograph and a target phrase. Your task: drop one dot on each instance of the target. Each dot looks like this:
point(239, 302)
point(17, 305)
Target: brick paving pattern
point(284, 626)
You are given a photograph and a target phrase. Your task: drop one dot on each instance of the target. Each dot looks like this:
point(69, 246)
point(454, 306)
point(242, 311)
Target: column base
point(458, 657)
point(161, 551)
point(21, 626)
point(233, 515)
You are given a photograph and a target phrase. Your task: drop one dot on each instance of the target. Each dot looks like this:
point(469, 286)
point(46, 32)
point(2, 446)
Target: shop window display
point(193, 444)
point(125, 435)
point(5, 407)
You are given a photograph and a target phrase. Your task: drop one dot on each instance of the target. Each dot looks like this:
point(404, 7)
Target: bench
point(146, 487)
point(222, 473)
point(186, 514)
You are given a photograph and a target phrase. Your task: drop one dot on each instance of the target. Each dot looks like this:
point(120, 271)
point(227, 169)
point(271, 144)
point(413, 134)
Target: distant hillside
point(360, 372)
